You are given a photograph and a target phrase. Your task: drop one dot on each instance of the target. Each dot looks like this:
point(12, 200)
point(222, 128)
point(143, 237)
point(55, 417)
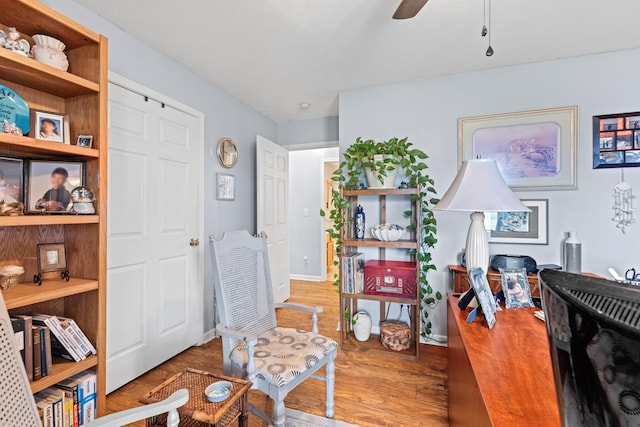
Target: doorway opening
point(330, 243)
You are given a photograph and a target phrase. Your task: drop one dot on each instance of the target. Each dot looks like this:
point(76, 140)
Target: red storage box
point(390, 278)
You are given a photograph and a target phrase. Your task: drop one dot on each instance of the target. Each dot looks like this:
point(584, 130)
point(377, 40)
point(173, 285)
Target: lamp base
point(477, 251)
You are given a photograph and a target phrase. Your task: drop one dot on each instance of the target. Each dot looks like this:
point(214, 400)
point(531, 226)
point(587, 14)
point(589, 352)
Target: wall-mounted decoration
point(14, 112)
point(49, 185)
point(524, 228)
point(616, 140)
point(49, 126)
point(535, 150)
point(227, 152)
point(52, 257)
point(84, 141)
point(623, 204)
point(226, 186)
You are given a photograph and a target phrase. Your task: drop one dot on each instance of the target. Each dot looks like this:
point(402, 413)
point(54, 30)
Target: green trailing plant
point(399, 153)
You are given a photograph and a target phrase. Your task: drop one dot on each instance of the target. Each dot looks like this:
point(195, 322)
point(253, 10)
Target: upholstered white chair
point(18, 407)
point(275, 359)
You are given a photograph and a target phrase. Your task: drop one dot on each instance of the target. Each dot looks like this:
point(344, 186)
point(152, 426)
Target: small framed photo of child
point(49, 185)
point(48, 126)
point(84, 141)
point(517, 293)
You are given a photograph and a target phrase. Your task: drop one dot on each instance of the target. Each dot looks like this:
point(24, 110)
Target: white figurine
point(14, 43)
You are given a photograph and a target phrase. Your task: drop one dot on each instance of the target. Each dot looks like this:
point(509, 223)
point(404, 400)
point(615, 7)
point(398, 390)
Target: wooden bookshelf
point(349, 301)
point(81, 95)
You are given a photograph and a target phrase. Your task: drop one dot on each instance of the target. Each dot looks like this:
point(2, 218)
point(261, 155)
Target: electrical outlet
point(306, 259)
point(305, 212)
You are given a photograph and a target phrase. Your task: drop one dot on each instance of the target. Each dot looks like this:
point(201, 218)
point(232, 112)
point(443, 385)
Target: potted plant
point(397, 154)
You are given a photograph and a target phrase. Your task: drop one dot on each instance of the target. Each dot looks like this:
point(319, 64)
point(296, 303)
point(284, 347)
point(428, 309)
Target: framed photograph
point(485, 298)
point(226, 186)
point(616, 140)
point(48, 126)
point(52, 257)
point(11, 179)
point(84, 141)
point(515, 286)
point(49, 185)
point(535, 150)
point(525, 228)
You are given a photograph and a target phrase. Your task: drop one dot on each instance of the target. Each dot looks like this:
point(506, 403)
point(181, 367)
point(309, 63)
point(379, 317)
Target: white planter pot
point(362, 327)
point(388, 182)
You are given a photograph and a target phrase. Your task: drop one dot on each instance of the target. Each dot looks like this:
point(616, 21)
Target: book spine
point(37, 362)
point(58, 333)
point(48, 414)
point(47, 351)
point(83, 338)
point(53, 323)
point(74, 337)
point(43, 351)
point(58, 418)
point(28, 346)
point(18, 330)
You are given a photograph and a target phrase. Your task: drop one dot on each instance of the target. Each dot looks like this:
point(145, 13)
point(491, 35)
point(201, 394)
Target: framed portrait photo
point(515, 286)
point(48, 126)
point(225, 186)
point(11, 180)
point(525, 228)
point(84, 141)
point(535, 150)
point(49, 185)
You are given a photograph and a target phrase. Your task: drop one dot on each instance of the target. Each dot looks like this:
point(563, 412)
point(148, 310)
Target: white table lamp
point(479, 187)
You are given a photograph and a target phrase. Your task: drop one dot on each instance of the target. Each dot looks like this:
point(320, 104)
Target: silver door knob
point(194, 242)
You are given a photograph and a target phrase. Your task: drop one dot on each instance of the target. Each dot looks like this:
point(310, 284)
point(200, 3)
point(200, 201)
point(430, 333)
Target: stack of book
point(70, 403)
point(353, 273)
point(41, 336)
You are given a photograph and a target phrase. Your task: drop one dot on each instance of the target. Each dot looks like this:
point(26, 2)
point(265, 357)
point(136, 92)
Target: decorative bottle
point(572, 254)
point(359, 223)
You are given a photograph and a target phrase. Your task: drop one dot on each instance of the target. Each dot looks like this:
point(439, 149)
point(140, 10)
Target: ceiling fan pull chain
point(489, 51)
point(484, 19)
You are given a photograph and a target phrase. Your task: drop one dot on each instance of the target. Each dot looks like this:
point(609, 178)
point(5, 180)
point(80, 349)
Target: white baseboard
point(208, 336)
point(436, 339)
point(306, 278)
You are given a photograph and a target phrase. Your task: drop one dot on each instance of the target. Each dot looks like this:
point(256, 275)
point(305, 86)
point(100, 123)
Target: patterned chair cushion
point(283, 354)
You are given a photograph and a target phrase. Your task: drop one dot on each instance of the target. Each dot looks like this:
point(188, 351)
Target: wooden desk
point(502, 376)
point(461, 280)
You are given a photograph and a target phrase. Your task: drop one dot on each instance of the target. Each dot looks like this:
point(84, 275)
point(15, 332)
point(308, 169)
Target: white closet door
point(154, 275)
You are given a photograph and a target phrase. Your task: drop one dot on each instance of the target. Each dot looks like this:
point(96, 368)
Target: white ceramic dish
point(218, 391)
point(50, 42)
point(388, 232)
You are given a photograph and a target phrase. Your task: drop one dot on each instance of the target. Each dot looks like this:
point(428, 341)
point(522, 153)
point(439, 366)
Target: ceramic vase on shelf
point(50, 51)
point(572, 254)
point(362, 326)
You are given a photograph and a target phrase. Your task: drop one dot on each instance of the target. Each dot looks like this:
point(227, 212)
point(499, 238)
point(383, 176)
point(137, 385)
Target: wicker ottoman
point(198, 411)
point(395, 335)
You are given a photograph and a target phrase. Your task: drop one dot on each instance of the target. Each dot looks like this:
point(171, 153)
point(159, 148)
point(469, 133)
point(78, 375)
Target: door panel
point(272, 210)
point(154, 298)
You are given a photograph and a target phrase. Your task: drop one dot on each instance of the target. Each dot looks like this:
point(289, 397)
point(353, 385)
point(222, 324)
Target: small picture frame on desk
point(85, 141)
point(516, 288)
point(485, 298)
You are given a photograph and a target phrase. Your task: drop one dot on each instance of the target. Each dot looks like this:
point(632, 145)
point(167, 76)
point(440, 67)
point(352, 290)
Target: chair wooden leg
point(279, 418)
point(330, 378)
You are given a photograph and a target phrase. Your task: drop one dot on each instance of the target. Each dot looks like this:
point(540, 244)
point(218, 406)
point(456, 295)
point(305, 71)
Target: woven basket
point(395, 335)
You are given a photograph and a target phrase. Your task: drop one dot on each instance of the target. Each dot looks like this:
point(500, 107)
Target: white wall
point(312, 133)
point(224, 116)
point(306, 191)
point(427, 112)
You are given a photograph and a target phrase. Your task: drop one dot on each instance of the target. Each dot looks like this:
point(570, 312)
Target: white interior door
point(154, 275)
point(272, 211)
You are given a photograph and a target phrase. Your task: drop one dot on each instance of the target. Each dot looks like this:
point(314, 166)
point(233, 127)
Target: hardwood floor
point(370, 390)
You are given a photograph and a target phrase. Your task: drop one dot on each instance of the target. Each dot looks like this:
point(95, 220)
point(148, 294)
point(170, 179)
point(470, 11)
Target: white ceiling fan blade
point(409, 9)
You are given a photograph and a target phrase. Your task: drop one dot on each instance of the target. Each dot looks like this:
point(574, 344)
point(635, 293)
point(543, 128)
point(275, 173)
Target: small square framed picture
point(84, 141)
point(48, 126)
point(52, 257)
point(225, 186)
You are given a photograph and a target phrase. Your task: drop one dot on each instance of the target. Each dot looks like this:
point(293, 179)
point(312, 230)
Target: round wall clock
point(227, 152)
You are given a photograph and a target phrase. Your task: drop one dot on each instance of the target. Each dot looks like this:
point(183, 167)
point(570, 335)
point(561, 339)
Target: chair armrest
point(299, 307)
point(170, 404)
point(313, 310)
point(236, 335)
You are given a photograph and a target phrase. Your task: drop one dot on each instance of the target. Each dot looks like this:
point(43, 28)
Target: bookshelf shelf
point(374, 346)
point(27, 220)
point(27, 294)
point(381, 192)
point(80, 94)
point(399, 244)
point(22, 144)
point(398, 300)
point(63, 369)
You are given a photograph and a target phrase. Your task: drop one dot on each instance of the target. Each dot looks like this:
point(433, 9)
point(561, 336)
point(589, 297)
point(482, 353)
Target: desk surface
point(512, 366)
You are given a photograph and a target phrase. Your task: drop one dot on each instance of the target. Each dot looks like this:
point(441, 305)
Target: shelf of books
point(355, 286)
point(68, 318)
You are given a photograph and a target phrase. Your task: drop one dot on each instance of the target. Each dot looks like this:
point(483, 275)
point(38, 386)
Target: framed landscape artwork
point(524, 228)
point(535, 150)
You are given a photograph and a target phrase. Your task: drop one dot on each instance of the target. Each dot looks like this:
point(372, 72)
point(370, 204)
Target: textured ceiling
point(275, 54)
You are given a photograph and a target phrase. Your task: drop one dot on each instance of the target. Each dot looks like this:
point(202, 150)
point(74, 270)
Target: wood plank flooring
point(370, 390)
